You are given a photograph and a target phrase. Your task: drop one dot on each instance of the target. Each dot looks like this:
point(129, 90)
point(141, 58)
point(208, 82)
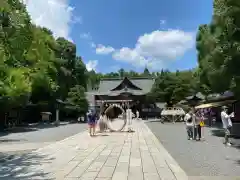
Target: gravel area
point(204, 158)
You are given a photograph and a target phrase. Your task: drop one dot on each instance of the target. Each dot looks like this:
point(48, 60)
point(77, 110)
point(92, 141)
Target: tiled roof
point(143, 83)
point(198, 95)
point(116, 93)
point(106, 85)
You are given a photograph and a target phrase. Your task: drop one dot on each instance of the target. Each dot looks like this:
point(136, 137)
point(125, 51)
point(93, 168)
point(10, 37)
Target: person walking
point(137, 114)
point(227, 124)
point(129, 119)
point(100, 123)
point(92, 122)
point(197, 117)
point(189, 125)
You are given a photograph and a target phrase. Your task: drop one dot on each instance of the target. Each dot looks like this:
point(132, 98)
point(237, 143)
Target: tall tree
point(146, 72)
point(77, 98)
point(15, 41)
point(34, 65)
point(218, 47)
point(121, 72)
point(172, 87)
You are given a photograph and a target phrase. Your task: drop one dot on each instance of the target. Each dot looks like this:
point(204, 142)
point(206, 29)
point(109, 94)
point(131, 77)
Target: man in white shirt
point(129, 119)
point(189, 125)
point(227, 124)
point(137, 114)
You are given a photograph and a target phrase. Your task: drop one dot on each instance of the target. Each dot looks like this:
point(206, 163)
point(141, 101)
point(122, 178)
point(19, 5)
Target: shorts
point(91, 124)
point(227, 131)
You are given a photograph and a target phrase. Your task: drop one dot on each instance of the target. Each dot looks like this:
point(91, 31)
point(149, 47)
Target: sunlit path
point(118, 156)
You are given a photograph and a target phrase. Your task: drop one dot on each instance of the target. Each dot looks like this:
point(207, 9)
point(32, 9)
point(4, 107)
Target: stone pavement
point(116, 156)
point(12, 147)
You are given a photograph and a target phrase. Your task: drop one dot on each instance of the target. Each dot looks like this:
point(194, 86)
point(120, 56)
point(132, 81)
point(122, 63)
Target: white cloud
point(101, 49)
point(129, 55)
point(77, 20)
point(162, 22)
point(157, 48)
point(85, 36)
point(55, 15)
point(93, 45)
point(92, 65)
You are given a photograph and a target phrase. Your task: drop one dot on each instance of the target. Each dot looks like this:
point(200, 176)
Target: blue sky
point(129, 34)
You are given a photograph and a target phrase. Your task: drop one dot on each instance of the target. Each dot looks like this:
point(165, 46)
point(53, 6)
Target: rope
point(124, 119)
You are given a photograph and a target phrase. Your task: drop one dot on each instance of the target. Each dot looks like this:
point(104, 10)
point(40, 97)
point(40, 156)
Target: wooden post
point(57, 117)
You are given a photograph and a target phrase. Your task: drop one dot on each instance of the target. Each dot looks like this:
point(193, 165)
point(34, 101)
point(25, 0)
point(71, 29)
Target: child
point(92, 123)
point(189, 125)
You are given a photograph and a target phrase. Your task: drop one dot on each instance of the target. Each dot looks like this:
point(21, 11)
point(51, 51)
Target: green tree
point(121, 72)
point(15, 33)
point(76, 97)
point(172, 87)
point(17, 87)
point(218, 46)
point(93, 80)
point(15, 40)
point(146, 72)
point(34, 65)
point(80, 72)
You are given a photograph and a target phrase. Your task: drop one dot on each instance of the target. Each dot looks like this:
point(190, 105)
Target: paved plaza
point(37, 136)
point(208, 160)
point(116, 156)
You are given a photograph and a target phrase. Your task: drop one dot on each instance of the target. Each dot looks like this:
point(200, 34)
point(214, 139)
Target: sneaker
point(228, 144)
point(190, 138)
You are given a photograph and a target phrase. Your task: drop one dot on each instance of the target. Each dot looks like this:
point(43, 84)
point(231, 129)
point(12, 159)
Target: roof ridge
point(121, 78)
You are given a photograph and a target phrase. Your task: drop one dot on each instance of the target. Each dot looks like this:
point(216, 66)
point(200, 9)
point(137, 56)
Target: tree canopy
point(218, 45)
point(34, 65)
point(172, 87)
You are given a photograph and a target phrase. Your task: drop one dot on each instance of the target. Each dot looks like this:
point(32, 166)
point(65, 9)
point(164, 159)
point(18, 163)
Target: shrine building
point(128, 92)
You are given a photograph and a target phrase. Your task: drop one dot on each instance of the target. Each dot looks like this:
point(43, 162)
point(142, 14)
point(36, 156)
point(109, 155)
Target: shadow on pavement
point(22, 167)
point(96, 135)
point(9, 140)
point(155, 120)
point(219, 132)
point(126, 131)
point(31, 127)
point(38, 126)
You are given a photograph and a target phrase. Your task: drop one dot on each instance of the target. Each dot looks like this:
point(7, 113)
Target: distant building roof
point(115, 87)
point(161, 105)
point(219, 97)
point(198, 95)
point(145, 84)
